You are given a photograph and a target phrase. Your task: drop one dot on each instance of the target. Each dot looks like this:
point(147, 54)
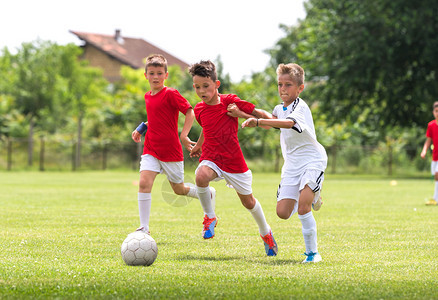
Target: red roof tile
point(129, 51)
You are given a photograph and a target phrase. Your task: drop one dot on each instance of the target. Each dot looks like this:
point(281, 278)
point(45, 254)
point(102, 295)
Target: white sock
point(193, 193)
point(435, 195)
point(204, 195)
point(309, 232)
point(259, 217)
point(144, 209)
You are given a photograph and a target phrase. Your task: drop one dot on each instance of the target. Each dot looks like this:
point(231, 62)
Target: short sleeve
point(243, 105)
point(181, 103)
point(429, 131)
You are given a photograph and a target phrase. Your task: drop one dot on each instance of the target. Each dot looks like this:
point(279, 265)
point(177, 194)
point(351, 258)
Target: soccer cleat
point(142, 229)
point(431, 202)
point(209, 225)
point(270, 244)
point(312, 257)
point(317, 205)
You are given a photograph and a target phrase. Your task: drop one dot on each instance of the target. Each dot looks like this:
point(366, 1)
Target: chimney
point(118, 37)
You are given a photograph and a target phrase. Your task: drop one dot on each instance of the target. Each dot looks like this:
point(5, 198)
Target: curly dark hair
point(204, 68)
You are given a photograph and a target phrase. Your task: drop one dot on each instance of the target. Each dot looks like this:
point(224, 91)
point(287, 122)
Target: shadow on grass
point(278, 262)
point(268, 261)
point(210, 258)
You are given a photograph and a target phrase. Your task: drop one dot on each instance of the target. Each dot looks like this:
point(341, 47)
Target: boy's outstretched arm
point(276, 123)
point(261, 114)
point(234, 111)
point(426, 146)
point(188, 122)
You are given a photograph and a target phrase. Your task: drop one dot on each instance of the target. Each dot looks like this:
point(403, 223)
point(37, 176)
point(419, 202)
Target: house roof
point(129, 51)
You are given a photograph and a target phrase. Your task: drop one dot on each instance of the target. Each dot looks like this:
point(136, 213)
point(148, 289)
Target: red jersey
point(161, 139)
point(432, 132)
point(221, 144)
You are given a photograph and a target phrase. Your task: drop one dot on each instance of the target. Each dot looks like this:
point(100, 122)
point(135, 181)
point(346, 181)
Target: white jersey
point(301, 151)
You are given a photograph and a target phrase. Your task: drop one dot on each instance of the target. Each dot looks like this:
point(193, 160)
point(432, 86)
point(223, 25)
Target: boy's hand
point(136, 136)
point(251, 122)
point(423, 154)
point(196, 151)
point(233, 110)
point(187, 143)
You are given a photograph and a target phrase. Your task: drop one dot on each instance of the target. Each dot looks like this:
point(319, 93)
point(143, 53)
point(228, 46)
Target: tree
point(82, 88)
point(376, 59)
point(35, 69)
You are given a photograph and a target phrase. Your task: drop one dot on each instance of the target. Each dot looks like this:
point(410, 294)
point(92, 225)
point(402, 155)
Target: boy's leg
point(144, 198)
point(308, 224)
point(206, 195)
point(184, 188)
point(285, 208)
point(190, 190)
point(435, 194)
point(433, 201)
point(204, 175)
point(242, 183)
point(256, 210)
point(287, 194)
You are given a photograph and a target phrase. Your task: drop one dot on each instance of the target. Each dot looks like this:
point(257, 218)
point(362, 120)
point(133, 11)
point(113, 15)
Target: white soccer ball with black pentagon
point(139, 249)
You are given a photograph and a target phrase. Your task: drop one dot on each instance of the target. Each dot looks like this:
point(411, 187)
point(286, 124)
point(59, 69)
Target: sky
point(236, 30)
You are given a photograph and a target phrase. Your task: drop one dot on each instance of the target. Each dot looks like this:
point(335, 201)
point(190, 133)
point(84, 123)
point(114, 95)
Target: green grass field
point(60, 237)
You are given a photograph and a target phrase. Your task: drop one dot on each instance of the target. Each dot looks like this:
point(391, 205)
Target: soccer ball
point(139, 249)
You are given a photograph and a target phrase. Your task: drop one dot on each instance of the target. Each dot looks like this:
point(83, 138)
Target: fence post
point(42, 148)
point(73, 157)
point(104, 155)
point(334, 158)
point(390, 158)
point(9, 154)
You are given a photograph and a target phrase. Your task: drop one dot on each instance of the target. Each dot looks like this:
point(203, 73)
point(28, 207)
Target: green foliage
point(61, 233)
point(374, 59)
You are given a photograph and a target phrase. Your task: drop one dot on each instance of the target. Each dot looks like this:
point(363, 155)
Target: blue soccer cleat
point(209, 225)
point(270, 244)
point(312, 257)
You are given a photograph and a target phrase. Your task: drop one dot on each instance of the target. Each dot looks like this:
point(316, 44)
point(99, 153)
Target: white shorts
point(241, 182)
point(174, 170)
point(290, 187)
point(434, 167)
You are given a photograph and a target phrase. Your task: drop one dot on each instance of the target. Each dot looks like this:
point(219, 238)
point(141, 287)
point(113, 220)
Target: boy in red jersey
point(432, 137)
point(220, 153)
point(162, 152)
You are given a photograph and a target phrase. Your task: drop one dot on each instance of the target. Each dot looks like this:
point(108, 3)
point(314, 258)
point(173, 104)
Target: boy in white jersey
point(305, 160)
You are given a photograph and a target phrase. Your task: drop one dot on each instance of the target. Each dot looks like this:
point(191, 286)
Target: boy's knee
point(202, 178)
point(283, 214)
point(142, 184)
point(248, 201)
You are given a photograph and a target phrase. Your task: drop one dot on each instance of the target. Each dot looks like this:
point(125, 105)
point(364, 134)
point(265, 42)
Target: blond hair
point(156, 60)
point(295, 72)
